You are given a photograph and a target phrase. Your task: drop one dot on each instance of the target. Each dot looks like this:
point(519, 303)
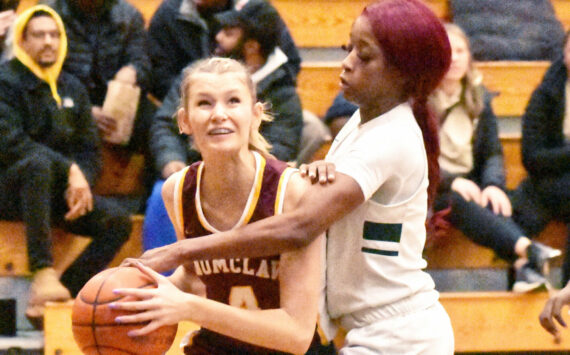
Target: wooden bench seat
point(500, 322)
point(66, 247)
point(514, 81)
point(329, 17)
point(482, 322)
point(326, 23)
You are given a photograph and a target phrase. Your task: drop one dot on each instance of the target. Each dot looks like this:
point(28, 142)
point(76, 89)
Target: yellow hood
point(48, 74)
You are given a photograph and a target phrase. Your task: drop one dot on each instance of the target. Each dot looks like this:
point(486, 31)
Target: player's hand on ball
point(159, 259)
point(160, 306)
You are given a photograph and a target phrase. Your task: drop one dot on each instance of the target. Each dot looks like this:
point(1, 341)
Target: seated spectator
point(545, 194)
point(183, 31)
point(108, 41)
point(250, 35)
point(49, 157)
point(509, 30)
point(471, 195)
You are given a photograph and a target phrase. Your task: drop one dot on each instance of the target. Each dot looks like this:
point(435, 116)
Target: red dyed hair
point(414, 42)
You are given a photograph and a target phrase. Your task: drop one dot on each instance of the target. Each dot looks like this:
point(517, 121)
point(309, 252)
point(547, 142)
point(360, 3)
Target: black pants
point(481, 225)
point(33, 191)
point(534, 206)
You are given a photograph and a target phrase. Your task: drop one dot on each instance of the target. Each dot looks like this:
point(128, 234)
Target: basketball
point(93, 322)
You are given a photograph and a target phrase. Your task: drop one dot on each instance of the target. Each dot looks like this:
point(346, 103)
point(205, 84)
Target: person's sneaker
point(45, 287)
point(539, 256)
point(527, 279)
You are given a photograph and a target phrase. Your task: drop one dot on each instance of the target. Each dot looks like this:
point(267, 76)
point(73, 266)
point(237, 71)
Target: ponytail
point(427, 121)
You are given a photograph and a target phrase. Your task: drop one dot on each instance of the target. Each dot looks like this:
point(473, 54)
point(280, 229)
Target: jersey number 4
point(243, 297)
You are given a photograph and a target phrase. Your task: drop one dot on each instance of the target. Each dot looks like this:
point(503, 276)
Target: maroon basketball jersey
point(250, 283)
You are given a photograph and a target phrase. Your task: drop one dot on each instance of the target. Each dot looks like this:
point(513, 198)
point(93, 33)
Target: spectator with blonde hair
point(471, 195)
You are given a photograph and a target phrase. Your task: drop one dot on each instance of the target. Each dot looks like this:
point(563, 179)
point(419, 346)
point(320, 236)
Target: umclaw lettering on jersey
point(266, 269)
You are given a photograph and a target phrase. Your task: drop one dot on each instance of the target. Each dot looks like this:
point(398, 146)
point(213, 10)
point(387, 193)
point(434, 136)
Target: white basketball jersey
point(374, 254)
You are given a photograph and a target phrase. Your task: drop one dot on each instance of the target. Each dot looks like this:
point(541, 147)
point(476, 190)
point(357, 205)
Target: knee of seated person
point(530, 220)
point(457, 201)
point(38, 165)
point(119, 227)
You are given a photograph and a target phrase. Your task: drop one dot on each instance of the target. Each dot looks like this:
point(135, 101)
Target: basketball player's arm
point(183, 278)
point(318, 208)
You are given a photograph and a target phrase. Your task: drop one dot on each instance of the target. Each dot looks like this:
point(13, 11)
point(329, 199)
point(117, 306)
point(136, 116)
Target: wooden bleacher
point(66, 247)
point(459, 252)
point(331, 18)
point(326, 23)
point(466, 253)
point(494, 322)
point(514, 81)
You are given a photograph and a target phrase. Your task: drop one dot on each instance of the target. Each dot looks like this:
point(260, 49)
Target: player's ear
point(257, 116)
point(183, 121)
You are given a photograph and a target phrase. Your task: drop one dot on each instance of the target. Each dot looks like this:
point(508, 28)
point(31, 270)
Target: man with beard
point(183, 31)
point(49, 157)
point(250, 35)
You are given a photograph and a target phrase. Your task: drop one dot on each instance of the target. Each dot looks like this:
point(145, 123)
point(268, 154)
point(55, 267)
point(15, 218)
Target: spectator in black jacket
point(182, 31)
point(49, 158)
point(545, 194)
point(108, 41)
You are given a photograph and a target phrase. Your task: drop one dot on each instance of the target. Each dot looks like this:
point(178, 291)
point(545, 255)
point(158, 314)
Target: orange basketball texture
point(93, 322)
